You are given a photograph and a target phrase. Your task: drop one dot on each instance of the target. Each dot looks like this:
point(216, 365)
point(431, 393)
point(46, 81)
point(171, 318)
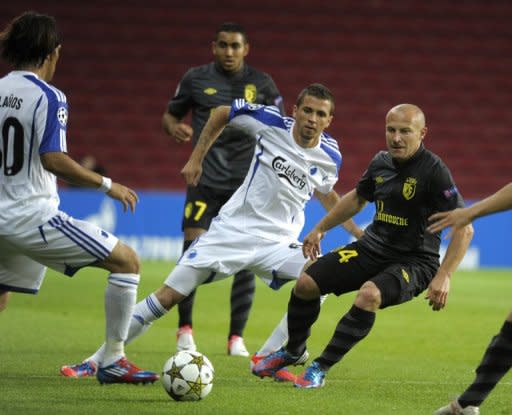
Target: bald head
point(410, 112)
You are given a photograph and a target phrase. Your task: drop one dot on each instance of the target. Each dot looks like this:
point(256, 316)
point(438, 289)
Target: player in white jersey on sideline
point(34, 233)
point(257, 229)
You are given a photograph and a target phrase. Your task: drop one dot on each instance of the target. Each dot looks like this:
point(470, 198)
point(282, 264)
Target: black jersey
point(206, 87)
point(405, 195)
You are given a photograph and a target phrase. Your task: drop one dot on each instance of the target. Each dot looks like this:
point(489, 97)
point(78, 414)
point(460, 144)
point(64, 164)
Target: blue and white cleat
point(82, 370)
point(122, 371)
point(313, 377)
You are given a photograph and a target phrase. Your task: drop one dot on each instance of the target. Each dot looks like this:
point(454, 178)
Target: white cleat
point(185, 340)
point(455, 409)
point(236, 347)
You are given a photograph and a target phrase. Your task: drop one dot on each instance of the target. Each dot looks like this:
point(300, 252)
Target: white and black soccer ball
point(188, 376)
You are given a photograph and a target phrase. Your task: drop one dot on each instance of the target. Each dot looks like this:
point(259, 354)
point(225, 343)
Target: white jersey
point(33, 118)
point(282, 178)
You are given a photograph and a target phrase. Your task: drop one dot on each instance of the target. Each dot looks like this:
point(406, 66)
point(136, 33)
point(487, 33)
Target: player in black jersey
point(395, 260)
point(201, 90)
point(497, 359)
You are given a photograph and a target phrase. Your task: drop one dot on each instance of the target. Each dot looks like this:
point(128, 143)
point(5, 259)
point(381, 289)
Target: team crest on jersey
point(379, 180)
point(192, 254)
point(409, 189)
point(250, 92)
point(210, 91)
point(62, 116)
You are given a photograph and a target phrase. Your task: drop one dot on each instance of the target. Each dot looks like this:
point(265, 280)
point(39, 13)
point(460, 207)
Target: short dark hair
point(29, 38)
point(318, 91)
point(231, 27)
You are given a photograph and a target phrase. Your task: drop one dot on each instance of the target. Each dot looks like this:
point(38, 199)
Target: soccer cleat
point(122, 371)
point(184, 339)
point(282, 375)
point(270, 364)
point(236, 346)
point(454, 408)
point(82, 370)
point(313, 377)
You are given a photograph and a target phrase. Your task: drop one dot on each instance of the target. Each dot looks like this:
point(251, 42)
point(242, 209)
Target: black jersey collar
point(415, 157)
point(232, 75)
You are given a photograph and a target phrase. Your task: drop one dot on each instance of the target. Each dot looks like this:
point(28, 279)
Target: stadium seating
point(121, 63)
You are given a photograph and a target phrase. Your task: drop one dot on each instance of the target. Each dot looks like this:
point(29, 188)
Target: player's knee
point(131, 260)
point(368, 297)
point(123, 259)
point(306, 288)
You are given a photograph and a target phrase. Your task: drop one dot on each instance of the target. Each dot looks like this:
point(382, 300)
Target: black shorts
point(202, 205)
point(346, 269)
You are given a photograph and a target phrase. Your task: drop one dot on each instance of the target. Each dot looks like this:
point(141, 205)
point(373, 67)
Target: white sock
point(144, 313)
point(279, 336)
point(120, 297)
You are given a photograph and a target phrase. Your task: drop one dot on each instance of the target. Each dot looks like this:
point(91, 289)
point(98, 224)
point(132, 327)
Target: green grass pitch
point(413, 361)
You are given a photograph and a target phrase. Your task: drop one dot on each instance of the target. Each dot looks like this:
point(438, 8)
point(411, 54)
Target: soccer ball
point(188, 376)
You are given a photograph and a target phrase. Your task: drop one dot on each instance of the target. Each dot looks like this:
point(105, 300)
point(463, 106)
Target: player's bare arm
point(65, 168)
point(439, 287)
point(328, 201)
point(344, 209)
point(211, 131)
point(174, 127)
point(499, 201)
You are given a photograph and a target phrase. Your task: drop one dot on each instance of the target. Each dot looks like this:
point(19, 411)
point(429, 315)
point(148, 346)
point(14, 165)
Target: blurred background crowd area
point(121, 62)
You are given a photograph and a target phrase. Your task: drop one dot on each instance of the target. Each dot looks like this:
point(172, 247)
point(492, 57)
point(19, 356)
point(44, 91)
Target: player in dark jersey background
point(201, 90)
point(396, 258)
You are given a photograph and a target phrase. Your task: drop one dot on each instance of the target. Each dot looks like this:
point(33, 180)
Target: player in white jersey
point(34, 233)
point(257, 229)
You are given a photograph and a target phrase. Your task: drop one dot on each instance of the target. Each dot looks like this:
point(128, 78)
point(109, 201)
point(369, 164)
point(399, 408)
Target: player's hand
point(125, 195)
point(182, 133)
point(311, 244)
point(457, 219)
point(192, 172)
point(437, 292)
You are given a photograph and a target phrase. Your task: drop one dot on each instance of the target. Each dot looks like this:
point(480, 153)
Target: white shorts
point(63, 243)
point(223, 251)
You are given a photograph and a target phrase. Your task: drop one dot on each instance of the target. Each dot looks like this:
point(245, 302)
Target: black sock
point(352, 328)
point(495, 364)
point(301, 316)
point(187, 304)
point(242, 294)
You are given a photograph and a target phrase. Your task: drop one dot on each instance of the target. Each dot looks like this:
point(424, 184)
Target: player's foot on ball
point(82, 370)
point(122, 371)
point(236, 346)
